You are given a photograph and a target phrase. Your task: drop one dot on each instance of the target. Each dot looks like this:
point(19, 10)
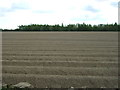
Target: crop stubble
point(61, 59)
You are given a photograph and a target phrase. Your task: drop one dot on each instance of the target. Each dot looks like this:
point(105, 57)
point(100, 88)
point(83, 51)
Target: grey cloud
point(14, 7)
point(91, 9)
point(101, 0)
point(1, 15)
point(18, 6)
point(3, 11)
point(114, 4)
point(43, 11)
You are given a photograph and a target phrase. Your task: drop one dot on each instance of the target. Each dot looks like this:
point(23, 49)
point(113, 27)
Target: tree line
point(70, 27)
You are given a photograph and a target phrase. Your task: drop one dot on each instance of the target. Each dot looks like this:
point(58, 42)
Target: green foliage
point(70, 27)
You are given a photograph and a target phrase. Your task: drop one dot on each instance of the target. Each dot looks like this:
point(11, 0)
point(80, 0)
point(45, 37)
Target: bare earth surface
point(61, 59)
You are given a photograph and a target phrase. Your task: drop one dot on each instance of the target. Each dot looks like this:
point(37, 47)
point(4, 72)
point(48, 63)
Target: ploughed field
point(60, 59)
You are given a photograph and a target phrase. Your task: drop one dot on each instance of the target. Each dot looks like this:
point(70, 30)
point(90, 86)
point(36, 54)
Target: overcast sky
point(23, 12)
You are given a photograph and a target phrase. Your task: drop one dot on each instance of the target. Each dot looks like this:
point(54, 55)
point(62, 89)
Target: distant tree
point(70, 27)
